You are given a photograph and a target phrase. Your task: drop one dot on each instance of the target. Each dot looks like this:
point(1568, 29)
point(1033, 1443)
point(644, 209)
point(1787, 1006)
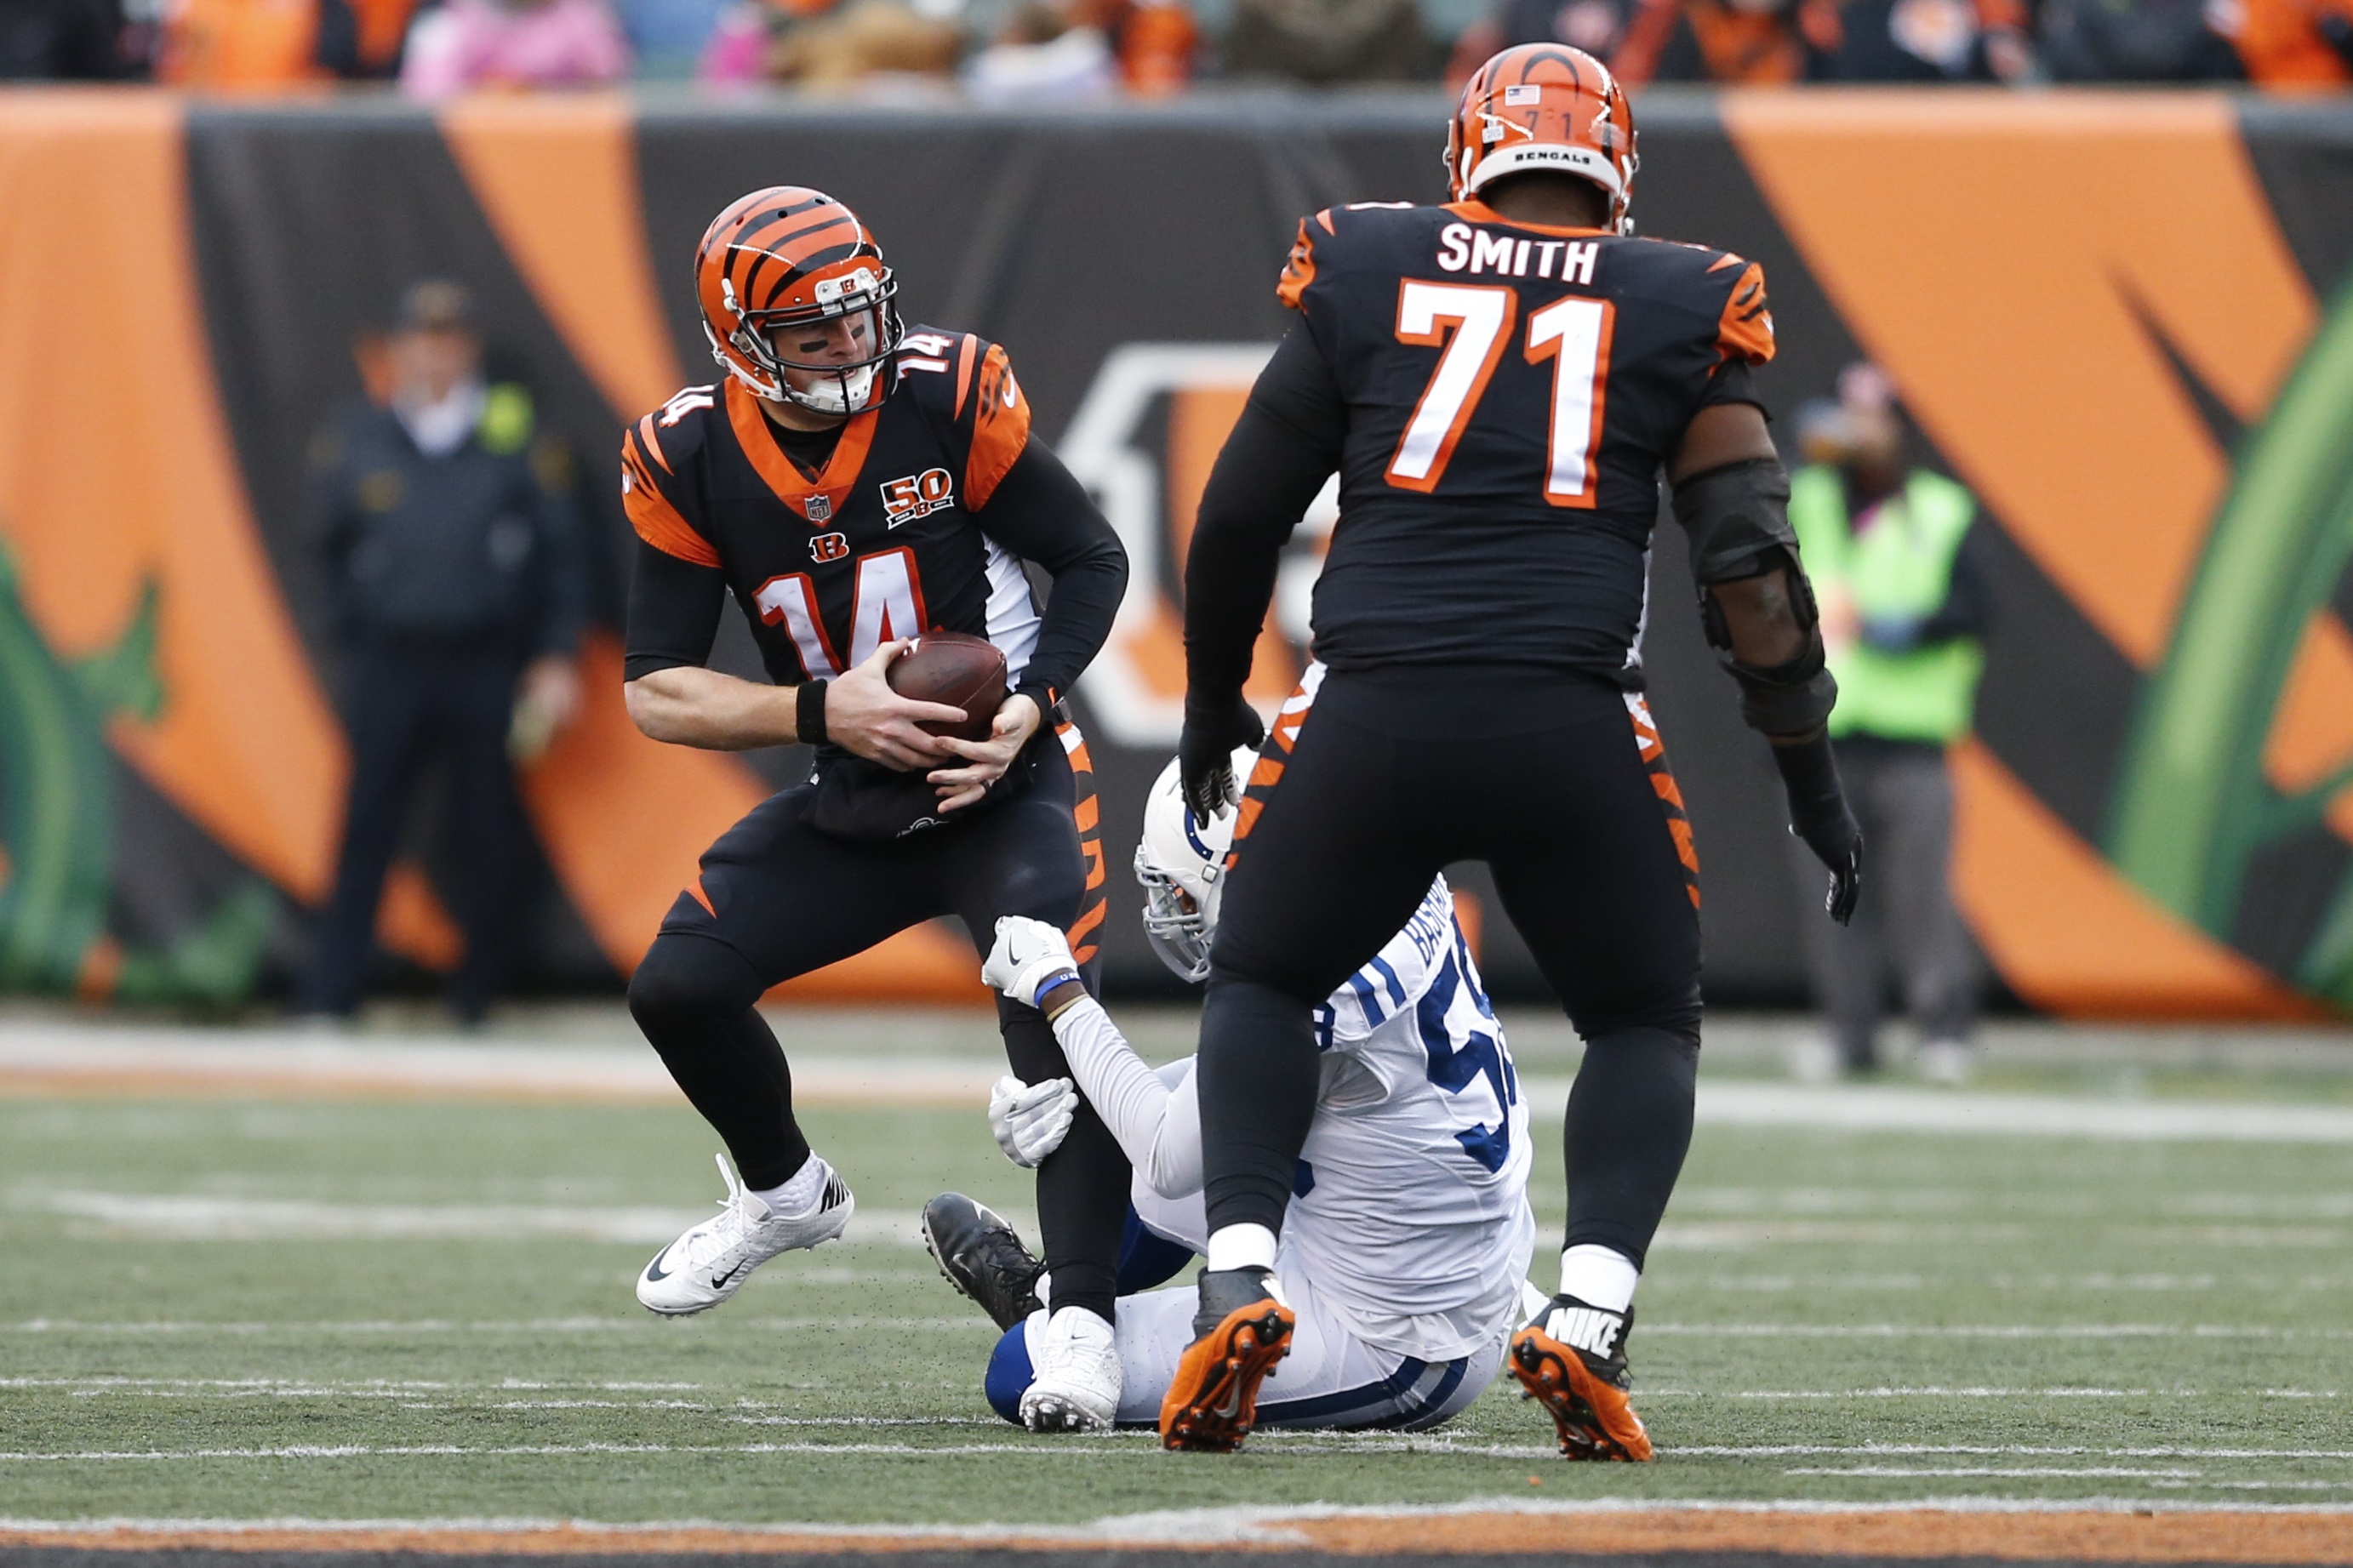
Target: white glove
point(1030, 1119)
point(1027, 954)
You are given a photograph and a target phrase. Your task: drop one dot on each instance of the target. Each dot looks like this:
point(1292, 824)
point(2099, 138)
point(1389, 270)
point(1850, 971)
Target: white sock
point(801, 1193)
point(1241, 1246)
point(1599, 1276)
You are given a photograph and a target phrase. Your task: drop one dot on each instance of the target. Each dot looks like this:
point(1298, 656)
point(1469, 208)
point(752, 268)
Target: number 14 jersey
point(890, 539)
point(1508, 392)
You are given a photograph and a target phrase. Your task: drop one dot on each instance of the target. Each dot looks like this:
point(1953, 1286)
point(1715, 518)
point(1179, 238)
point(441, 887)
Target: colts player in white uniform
point(1405, 1250)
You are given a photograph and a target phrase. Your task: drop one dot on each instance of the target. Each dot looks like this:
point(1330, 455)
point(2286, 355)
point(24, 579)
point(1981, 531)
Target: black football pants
point(777, 899)
point(408, 710)
point(1369, 785)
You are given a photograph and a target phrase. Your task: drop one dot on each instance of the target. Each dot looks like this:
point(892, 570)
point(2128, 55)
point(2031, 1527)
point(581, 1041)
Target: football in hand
point(961, 672)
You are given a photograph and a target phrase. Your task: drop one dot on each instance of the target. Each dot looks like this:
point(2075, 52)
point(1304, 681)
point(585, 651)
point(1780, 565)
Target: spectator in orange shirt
point(1154, 41)
point(1748, 43)
point(246, 45)
point(1771, 43)
point(2294, 45)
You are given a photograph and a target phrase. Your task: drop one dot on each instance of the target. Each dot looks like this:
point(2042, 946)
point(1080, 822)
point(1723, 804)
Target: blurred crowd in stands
point(1017, 51)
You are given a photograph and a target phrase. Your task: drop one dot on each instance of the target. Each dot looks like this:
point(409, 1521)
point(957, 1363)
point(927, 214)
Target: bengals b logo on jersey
point(828, 547)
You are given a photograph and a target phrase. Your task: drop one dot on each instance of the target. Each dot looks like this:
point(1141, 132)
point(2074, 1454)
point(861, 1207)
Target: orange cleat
point(1212, 1403)
point(1584, 1394)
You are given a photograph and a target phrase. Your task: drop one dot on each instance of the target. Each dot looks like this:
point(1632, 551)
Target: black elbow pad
point(1792, 699)
point(1738, 518)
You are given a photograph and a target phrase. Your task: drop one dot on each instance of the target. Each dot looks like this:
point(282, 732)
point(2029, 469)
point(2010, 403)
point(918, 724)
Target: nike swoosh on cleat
point(655, 1271)
point(719, 1281)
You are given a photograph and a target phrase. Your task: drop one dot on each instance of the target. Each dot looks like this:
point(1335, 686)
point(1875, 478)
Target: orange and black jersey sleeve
point(656, 491)
point(677, 588)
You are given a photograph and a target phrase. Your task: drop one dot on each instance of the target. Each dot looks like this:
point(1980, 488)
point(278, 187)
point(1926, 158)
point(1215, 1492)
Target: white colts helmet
point(1181, 863)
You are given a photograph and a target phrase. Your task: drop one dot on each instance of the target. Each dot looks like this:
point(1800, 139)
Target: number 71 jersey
point(1512, 391)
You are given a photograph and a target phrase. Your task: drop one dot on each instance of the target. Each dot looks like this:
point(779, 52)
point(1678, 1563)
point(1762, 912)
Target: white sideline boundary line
point(268, 1060)
point(160, 1059)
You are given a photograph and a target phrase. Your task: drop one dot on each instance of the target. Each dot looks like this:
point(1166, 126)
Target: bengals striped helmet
point(797, 302)
point(1541, 107)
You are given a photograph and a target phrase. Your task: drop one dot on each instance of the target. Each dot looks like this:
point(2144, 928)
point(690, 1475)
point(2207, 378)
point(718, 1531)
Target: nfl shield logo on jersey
point(819, 508)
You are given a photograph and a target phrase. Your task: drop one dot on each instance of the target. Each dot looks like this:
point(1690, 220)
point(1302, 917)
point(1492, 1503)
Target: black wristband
point(1810, 774)
point(809, 712)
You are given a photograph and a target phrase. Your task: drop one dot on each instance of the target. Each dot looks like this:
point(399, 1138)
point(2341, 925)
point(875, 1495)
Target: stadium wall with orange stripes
point(2120, 319)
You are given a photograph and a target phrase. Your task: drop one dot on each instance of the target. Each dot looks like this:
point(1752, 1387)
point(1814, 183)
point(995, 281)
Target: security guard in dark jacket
point(454, 573)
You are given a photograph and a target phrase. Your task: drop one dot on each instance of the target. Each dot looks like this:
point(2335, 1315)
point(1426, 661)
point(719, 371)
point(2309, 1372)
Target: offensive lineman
point(1499, 382)
point(1405, 1258)
point(854, 485)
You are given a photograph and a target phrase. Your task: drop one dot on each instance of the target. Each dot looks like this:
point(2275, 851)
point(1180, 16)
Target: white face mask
point(440, 428)
point(843, 393)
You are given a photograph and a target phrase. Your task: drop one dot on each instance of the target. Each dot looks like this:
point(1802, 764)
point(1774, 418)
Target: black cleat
point(980, 1254)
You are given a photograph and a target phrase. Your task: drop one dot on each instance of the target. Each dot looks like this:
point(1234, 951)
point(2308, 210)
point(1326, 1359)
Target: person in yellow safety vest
point(1904, 608)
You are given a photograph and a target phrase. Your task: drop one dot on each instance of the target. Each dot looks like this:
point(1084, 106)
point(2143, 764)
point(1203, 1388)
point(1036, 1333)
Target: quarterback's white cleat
point(1075, 1385)
point(710, 1261)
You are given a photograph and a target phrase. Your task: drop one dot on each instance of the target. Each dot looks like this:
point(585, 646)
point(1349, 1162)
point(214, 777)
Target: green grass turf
point(1827, 1318)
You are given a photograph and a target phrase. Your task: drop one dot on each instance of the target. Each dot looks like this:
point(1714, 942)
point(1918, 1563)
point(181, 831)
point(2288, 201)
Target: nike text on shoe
point(1572, 1360)
point(1240, 1331)
point(1076, 1385)
point(711, 1262)
point(981, 1256)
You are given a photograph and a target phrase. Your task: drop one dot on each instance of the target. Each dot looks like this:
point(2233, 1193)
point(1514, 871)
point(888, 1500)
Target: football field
point(278, 1292)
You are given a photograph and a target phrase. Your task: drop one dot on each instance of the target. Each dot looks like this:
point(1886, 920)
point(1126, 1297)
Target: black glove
point(1819, 815)
point(1205, 753)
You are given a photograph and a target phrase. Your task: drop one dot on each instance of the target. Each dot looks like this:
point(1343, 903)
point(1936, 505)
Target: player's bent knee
point(1048, 892)
point(685, 976)
point(1009, 1372)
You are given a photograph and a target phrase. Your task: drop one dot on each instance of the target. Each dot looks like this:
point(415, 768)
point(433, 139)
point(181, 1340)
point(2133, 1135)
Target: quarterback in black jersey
point(854, 485)
point(1499, 383)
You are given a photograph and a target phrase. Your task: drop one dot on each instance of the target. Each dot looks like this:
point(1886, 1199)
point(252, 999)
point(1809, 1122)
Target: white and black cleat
point(712, 1260)
point(1075, 1383)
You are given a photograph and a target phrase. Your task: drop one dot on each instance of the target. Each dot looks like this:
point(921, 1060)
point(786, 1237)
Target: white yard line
point(583, 1325)
point(1999, 1472)
point(1016, 1445)
point(1988, 1451)
point(187, 1216)
point(455, 1397)
point(197, 1216)
point(1010, 1449)
point(1988, 1332)
point(172, 1326)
